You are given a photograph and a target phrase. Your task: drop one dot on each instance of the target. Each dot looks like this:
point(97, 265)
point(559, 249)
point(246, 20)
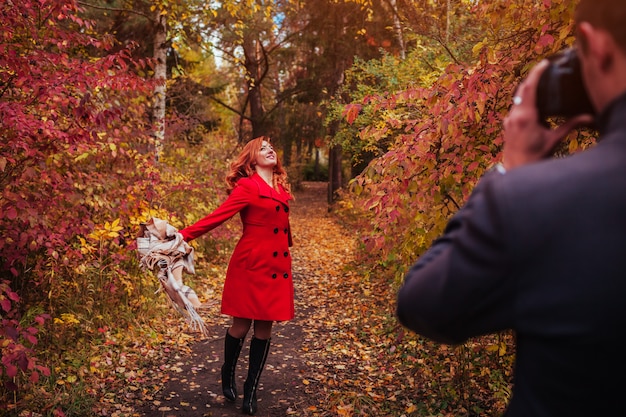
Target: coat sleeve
point(238, 199)
point(462, 286)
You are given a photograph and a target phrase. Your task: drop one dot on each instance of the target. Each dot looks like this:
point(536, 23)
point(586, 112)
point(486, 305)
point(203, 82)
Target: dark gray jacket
point(540, 250)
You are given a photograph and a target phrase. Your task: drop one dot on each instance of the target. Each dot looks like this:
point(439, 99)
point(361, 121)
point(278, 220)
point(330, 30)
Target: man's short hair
point(609, 15)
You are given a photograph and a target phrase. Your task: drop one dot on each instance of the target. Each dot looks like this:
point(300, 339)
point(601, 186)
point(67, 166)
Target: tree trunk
point(253, 64)
point(448, 22)
point(160, 74)
point(397, 26)
point(316, 169)
point(335, 177)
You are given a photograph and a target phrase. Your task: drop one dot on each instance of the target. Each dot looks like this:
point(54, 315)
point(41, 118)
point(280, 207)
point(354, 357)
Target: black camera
point(561, 91)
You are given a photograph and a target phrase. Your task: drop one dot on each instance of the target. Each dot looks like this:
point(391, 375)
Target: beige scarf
point(163, 249)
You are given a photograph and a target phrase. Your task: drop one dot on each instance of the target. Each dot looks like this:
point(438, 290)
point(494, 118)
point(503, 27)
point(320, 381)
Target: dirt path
point(192, 389)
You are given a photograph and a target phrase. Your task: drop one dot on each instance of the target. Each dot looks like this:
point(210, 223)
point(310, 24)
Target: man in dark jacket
point(540, 246)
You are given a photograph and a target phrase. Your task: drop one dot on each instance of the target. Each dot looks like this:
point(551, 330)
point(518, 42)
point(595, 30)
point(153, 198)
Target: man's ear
point(597, 45)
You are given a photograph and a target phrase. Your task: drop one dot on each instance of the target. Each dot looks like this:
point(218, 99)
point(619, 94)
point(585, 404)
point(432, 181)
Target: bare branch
point(113, 9)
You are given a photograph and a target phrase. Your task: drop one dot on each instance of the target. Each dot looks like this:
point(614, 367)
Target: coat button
point(274, 276)
point(275, 254)
point(285, 275)
point(276, 230)
point(285, 230)
point(286, 209)
point(286, 254)
point(277, 208)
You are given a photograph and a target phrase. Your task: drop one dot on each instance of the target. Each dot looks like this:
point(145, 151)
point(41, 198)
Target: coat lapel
point(268, 192)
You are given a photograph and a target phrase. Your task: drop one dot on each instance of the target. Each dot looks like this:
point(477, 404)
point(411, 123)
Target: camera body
point(561, 91)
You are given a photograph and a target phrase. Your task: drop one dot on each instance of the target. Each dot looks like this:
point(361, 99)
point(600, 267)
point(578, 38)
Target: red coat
point(258, 282)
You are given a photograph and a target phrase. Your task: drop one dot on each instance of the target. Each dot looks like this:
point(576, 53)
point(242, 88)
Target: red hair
point(243, 165)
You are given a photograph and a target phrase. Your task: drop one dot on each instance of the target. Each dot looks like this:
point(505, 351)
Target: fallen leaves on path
point(360, 362)
point(348, 325)
point(343, 355)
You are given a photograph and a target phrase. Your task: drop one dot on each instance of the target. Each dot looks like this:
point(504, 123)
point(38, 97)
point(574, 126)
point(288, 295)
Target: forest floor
point(311, 357)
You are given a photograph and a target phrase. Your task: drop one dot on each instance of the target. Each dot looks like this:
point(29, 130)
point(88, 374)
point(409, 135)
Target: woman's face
point(266, 156)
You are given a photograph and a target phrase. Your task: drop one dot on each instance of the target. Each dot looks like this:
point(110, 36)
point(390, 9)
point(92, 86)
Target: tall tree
point(248, 37)
point(145, 23)
point(160, 75)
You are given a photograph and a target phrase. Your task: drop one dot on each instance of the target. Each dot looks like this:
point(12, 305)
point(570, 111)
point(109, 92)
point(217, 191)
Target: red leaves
point(54, 106)
point(14, 340)
point(6, 296)
point(73, 126)
point(449, 130)
point(545, 41)
point(351, 112)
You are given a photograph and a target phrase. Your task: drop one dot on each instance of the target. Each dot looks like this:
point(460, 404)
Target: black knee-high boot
point(232, 348)
point(258, 355)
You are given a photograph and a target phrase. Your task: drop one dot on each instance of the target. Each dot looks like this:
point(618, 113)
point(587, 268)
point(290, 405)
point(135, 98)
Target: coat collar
point(266, 191)
point(612, 117)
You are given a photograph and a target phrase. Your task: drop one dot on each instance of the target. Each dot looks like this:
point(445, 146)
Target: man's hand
point(526, 140)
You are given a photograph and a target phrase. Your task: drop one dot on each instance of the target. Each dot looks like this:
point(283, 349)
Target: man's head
point(609, 15)
point(601, 35)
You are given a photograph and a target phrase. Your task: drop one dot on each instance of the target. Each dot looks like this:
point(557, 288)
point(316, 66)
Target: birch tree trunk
point(398, 28)
point(160, 74)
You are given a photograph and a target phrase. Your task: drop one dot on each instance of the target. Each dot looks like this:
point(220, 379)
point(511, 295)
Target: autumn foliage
point(74, 160)
point(78, 174)
point(436, 139)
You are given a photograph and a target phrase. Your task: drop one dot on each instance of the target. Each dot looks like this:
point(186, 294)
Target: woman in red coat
point(259, 286)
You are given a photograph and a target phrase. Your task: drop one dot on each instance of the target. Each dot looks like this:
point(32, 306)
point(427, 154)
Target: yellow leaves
point(355, 187)
point(66, 318)
point(500, 347)
point(485, 47)
point(70, 379)
point(94, 364)
point(81, 156)
point(108, 230)
point(479, 46)
point(127, 283)
point(361, 2)
point(85, 248)
point(159, 213)
point(573, 145)
point(113, 148)
point(162, 10)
